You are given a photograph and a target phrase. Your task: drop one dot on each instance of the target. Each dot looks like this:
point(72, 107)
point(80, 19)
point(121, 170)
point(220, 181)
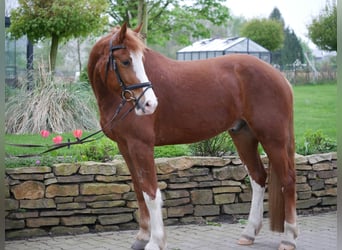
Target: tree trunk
point(143, 18)
point(79, 54)
point(53, 52)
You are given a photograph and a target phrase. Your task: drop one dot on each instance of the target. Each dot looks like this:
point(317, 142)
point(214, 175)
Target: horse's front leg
point(140, 161)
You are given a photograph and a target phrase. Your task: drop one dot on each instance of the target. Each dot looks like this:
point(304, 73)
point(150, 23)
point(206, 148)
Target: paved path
point(317, 232)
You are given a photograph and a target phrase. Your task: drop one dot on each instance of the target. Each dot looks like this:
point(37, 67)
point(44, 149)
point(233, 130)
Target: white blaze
point(149, 100)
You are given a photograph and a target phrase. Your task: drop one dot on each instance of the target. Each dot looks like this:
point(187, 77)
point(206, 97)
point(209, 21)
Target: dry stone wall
point(93, 197)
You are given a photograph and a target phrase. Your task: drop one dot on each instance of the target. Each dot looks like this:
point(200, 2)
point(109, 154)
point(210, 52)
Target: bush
point(216, 146)
point(316, 142)
point(51, 105)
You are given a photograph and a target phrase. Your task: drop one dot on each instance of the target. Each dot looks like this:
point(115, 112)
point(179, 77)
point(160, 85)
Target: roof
point(238, 44)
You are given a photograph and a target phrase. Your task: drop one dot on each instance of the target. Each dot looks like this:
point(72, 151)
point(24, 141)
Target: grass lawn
point(314, 108)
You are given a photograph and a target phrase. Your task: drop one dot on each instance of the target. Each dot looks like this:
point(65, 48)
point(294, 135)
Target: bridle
point(127, 94)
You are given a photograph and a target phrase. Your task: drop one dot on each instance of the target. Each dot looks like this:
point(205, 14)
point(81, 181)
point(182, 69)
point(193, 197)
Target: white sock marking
point(156, 221)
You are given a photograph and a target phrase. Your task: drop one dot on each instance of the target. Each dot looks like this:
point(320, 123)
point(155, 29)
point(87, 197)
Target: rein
point(126, 94)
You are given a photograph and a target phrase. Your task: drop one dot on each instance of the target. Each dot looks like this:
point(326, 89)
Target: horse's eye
point(126, 63)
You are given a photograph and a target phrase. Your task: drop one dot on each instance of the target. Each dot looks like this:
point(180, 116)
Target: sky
point(297, 14)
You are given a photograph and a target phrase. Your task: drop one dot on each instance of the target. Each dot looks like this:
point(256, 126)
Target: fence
point(93, 197)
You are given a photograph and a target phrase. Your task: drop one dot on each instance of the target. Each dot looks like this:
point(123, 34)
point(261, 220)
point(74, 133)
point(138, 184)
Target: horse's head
point(125, 61)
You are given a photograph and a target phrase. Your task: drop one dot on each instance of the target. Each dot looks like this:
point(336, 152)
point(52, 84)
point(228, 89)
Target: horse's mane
point(133, 41)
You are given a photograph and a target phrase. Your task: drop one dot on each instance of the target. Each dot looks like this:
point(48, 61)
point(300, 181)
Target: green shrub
point(316, 142)
point(216, 146)
point(171, 151)
point(50, 105)
point(100, 150)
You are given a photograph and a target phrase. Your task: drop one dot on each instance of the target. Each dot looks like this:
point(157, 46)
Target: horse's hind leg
point(247, 147)
point(282, 191)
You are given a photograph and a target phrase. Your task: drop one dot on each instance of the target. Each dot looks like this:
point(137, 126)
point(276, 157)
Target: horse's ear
point(122, 34)
point(138, 29)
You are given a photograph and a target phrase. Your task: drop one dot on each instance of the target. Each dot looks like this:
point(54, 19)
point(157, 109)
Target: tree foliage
point(323, 29)
point(291, 49)
point(58, 20)
point(266, 32)
point(171, 19)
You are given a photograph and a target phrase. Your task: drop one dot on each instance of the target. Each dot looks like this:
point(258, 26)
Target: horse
point(177, 102)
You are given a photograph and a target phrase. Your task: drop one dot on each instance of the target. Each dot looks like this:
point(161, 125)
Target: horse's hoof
point(139, 244)
point(286, 246)
point(246, 241)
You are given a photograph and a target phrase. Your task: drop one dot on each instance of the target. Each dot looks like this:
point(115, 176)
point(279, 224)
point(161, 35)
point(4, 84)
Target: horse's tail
point(275, 201)
point(275, 184)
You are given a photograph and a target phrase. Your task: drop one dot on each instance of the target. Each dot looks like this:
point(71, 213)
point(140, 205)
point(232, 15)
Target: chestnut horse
point(196, 101)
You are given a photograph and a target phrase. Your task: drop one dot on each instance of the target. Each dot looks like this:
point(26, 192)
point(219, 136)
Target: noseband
point(126, 90)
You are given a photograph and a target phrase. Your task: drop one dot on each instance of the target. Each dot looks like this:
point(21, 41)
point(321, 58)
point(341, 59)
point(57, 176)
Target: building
point(213, 47)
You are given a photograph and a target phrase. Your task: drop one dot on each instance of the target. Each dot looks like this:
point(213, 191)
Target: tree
point(170, 19)
point(292, 49)
point(58, 20)
point(268, 33)
point(323, 29)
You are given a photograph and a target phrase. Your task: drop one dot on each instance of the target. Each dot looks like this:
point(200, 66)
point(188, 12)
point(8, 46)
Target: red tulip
point(44, 133)
point(77, 133)
point(58, 139)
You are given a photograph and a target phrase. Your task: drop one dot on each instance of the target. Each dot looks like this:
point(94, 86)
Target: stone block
point(302, 167)
point(329, 201)
point(194, 172)
point(206, 210)
point(11, 204)
point(313, 159)
point(224, 198)
point(63, 169)
point(316, 184)
point(246, 196)
point(300, 159)
point(183, 185)
point(303, 187)
point(301, 179)
point(206, 184)
point(75, 178)
point(202, 196)
point(78, 220)
point(110, 228)
point(115, 219)
point(31, 177)
point(41, 222)
point(304, 195)
point(304, 204)
point(36, 204)
point(103, 188)
point(322, 166)
point(97, 168)
point(327, 174)
point(29, 170)
point(176, 202)
point(25, 233)
point(103, 204)
point(176, 194)
point(169, 165)
point(61, 190)
point(180, 211)
point(71, 206)
point(50, 181)
point(236, 208)
point(62, 230)
point(218, 190)
point(64, 199)
point(331, 181)
point(230, 172)
point(326, 192)
point(22, 215)
point(112, 178)
point(29, 190)
point(14, 224)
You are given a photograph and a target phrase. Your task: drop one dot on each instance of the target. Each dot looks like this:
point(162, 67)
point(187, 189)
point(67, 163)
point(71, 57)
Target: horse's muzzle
point(147, 104)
